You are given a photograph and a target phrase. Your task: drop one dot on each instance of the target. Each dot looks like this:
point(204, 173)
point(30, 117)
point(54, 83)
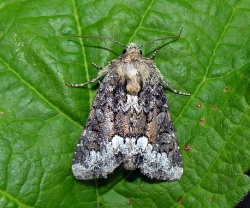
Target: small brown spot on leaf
point(129, 202)
point(214, 107)
point(187, 147)
point(199, 105)
point(227, 88)
point(180, 200)
point(202, 121)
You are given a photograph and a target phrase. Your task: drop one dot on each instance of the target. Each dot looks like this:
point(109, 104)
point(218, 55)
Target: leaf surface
point(41, 119)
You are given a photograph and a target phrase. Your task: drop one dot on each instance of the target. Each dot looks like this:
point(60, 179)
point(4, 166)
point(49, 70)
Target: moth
point(129, 122)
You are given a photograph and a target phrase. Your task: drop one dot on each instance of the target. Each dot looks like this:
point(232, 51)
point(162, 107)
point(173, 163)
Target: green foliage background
point(41, 120)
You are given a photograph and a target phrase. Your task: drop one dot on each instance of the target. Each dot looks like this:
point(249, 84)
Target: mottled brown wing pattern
point(129, 123)
point(94, 156)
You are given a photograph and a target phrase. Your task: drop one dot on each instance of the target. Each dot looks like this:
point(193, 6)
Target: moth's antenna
point(102, 38)
point(152, 41)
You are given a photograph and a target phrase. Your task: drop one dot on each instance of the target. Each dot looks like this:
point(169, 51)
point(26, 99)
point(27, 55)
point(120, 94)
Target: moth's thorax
point(133, 69)
point(133, 75)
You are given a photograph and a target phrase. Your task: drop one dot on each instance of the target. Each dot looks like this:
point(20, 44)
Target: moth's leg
point(166, 85)
point(98, 67)
point(99, 76)
point(174, 90)
point(83, 84)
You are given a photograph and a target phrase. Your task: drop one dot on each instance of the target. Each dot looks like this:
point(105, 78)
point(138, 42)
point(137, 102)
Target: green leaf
point(41, 119)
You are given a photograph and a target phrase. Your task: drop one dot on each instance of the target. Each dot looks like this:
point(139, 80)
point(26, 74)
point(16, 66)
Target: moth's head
point(132, 48)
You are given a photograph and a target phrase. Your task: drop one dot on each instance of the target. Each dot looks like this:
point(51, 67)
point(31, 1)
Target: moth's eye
point(140, 52)
point(124, 51)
